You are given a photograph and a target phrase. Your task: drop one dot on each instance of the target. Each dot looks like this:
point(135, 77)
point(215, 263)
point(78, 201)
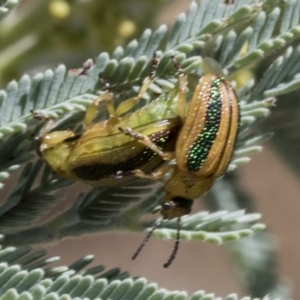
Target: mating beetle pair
point(194, 141)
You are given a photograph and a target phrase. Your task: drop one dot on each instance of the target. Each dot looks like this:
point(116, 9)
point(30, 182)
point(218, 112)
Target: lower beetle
point(102, 155)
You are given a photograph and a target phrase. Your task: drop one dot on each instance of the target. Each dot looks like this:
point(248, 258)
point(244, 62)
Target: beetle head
point(55, 148)
point(175, 206)
point(171, 207)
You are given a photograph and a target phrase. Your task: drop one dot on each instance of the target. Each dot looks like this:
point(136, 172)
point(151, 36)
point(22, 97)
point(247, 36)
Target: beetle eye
point(167, 205)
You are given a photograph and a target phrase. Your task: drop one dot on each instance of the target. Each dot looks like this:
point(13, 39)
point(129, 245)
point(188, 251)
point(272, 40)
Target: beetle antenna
point(176, 246)
point(140, 248)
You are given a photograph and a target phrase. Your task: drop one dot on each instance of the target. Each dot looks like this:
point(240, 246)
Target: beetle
point(204, 145)
point(102, 155)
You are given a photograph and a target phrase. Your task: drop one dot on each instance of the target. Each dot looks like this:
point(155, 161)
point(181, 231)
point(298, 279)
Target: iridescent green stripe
point(201, 147)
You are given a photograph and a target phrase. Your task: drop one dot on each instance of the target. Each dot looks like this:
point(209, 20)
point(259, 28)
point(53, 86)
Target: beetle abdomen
point(106, 173)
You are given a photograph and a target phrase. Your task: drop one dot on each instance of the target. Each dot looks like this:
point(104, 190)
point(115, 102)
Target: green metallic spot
point(202, 146)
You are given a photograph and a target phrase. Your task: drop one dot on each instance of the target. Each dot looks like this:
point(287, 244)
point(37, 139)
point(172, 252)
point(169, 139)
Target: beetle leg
point(47, 127)
point(123, 107)
point(93, 110)
point(127, 104)
point(159, 172)
point(145, 140)
point(42, 117)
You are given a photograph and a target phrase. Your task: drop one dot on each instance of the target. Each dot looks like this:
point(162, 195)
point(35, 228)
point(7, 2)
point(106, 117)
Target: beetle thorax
point(186, 185)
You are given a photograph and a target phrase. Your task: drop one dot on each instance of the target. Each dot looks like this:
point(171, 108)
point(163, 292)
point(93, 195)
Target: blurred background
point(71, 31)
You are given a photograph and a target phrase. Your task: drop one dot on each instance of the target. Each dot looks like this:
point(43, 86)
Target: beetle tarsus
point(104, 81)
point(86, 66)
point(39, 116)
point(177, 65)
